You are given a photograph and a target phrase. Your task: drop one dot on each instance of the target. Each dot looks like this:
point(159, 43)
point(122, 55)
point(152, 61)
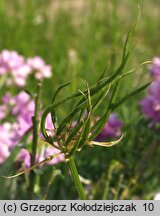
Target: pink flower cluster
point(17, 68)
point(150, 105)
point(21, 109)
point(16, 112)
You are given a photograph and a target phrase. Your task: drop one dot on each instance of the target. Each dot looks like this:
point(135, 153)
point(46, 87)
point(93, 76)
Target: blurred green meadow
point(78, 38)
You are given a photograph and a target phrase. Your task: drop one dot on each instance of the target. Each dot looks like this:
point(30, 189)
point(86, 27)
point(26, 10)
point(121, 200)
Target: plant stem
point(35, 121)
point(76, 179)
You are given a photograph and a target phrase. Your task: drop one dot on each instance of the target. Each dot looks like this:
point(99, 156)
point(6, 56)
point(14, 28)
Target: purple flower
point(154, 89)
point(25, 158)
point(150, 105)
point(112, 129)
point(155, 68)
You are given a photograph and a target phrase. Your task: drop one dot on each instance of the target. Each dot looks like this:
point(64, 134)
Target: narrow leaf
point(126, 97)
point(106, 144)
point(53, 113)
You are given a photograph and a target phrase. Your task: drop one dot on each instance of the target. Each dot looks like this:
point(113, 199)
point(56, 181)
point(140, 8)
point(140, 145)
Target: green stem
point(76, 179)
point(35, 121)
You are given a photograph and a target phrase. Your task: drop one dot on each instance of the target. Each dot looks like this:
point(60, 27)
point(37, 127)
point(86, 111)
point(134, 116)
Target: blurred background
point(78, 38)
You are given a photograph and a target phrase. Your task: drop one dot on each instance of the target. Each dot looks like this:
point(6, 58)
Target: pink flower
point(20, 75)
point(41, 69)
point(49, 151)
point(2, 112)
point(7, 98)
point(21, 108)
point(5, 141)
point(6, 134)
point(18, 68)
point(23, 105)
point(25, 158)
point(15, 65)
point(4, 153)
point(11, 59)
point(49, 127)
point(9, 135)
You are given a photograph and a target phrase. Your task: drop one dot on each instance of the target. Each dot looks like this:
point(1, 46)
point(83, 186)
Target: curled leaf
point(106, 144)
